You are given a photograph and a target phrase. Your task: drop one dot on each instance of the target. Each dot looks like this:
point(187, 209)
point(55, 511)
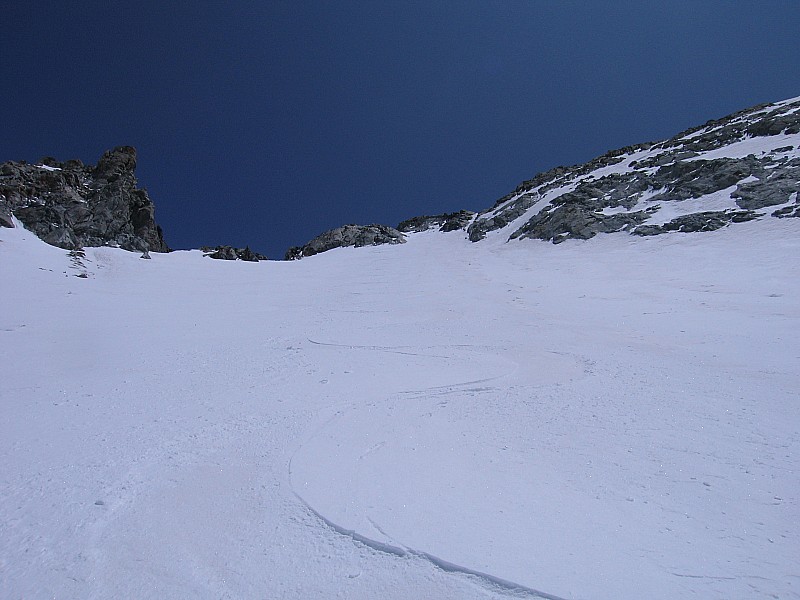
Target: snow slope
point(611, 418)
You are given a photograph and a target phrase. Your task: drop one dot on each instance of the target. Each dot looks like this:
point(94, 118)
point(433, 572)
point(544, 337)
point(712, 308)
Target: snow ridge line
point(489, 581)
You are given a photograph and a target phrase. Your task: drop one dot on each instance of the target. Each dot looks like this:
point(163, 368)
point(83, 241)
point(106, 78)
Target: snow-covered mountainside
point(606, 418)
point(738, 168)
point(609, 418)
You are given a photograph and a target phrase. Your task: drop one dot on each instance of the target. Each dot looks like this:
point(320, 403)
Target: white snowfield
point(610, 419)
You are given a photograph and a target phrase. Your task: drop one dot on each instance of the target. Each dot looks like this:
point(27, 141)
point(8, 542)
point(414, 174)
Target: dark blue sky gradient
point(266, 123)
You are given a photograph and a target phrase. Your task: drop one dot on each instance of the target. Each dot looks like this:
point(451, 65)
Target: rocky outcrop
point(445, 222)
point(702, 221)
point(573, 222)
point(788, 211)
point(773, 186)
point(231, 253)
point(71, 205)
point(347, 235)
point(711, 176)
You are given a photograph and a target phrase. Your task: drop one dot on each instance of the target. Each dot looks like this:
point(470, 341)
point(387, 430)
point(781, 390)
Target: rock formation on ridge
point(347, 235)
point(71, 205)
point(738, 168)
point(446, 222)
point(231, 253)
point(742, 167)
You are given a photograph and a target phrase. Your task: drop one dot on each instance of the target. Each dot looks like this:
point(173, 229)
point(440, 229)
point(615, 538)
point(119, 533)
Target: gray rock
point(71, 205)
point(6, 218)
point(702, 221)
point(692, 179)
point(773, 126)
point(774, 186)
point(788, 211)
point(571, 221)
point(444, 222)
point(220, 252)
point(347, 236)
point(248, 255)
point(231, 253)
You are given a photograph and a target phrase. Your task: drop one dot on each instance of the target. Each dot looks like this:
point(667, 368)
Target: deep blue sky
point(266, 123)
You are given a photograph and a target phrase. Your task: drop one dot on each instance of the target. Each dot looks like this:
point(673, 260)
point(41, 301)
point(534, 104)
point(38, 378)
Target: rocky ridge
point(72, 205)
point(738, 168)
point(374, 235)
point(445, 222)
point(741, 167)
point(231, 253)
point(347, 236)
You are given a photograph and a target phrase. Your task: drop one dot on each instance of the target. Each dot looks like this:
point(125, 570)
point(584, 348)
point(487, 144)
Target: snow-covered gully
point(349, 465)
point(493, 585)
point(615, 418)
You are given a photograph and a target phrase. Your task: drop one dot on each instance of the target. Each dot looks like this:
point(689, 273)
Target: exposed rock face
point(788, 211)
point(445, 222)
point(347, 235)
point(575, 222)
point(701, 221)
point(71, 205)
point(231, 253)
point(720, 173)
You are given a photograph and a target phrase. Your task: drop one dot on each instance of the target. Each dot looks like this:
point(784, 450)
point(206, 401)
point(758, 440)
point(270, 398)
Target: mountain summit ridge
point(741, 167)
point(700, 179)
point(737, 168)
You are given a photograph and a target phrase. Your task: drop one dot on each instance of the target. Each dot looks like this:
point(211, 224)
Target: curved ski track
point(491, 583)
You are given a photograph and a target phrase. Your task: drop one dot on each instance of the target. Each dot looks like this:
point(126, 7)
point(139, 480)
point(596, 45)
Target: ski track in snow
point(490, 582)
point(611, 418)
point(338, 432)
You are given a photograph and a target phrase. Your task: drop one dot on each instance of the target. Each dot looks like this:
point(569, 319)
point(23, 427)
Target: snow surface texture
point(611, 418)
